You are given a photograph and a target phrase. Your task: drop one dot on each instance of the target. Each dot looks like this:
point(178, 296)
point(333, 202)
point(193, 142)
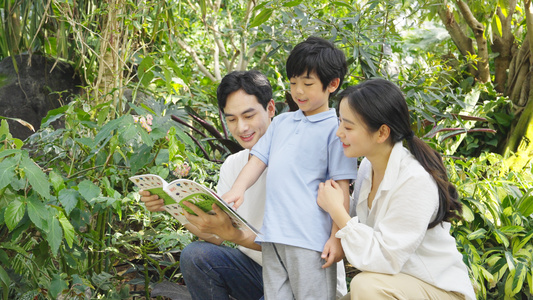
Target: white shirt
point(393, 237)
point(253, 209)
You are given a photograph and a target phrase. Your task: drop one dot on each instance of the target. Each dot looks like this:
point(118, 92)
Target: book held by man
point(174, 193)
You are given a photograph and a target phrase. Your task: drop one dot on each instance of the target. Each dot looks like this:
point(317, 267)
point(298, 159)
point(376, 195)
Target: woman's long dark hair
point(380, 102)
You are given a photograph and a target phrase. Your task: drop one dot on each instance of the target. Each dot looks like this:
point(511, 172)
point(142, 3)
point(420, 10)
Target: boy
point(301, 150)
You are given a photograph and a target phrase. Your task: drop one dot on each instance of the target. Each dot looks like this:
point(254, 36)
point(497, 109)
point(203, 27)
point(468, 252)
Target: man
point(211, 270)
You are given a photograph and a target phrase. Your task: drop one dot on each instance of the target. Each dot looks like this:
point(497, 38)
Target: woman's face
point(356, 139)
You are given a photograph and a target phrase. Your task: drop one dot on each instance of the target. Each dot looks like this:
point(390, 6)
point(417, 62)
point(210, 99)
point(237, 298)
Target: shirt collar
point(299, 115)
point(396, 157)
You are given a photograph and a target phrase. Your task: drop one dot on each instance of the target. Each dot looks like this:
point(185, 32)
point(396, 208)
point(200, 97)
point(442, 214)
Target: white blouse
point(393, 235)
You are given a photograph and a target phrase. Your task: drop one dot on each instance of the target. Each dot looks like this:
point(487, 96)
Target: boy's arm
point(333, 251)
point(247, 177)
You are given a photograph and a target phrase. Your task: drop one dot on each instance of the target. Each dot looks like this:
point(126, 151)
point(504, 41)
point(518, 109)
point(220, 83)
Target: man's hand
point(152, 202)
point(332, 252)
point(219, 224)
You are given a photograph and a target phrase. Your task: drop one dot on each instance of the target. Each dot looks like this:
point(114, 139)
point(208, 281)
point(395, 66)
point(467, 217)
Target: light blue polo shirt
point(300, 153)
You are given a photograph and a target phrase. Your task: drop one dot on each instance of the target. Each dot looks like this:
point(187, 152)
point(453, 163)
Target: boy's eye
point(249, 116)
point(230, 120)
point(308, 84)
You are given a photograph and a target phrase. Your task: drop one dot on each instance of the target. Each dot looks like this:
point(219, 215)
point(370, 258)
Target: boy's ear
point(334, 85)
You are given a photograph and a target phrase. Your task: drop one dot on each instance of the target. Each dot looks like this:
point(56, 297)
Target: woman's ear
point(383, 133)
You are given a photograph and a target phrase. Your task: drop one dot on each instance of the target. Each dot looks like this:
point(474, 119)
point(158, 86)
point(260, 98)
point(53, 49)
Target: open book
point(179, 190)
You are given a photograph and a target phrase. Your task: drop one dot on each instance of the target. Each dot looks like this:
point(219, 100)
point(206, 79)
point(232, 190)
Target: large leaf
point(14, 213)
point(6, 282)
point(36, 177)
point(38, 213)
point(54, 236)
point(69, 199)
point(57, 285)
point(88, 190)
point(7, 171)
point(68, 230)
point(262, 17)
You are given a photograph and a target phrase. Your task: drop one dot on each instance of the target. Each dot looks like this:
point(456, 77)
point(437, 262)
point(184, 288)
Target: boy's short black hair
point(252, 82)
point(318, 55)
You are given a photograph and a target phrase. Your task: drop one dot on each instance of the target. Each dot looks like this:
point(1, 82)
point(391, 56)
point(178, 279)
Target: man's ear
point(271, 108)
point(383, 133)
point(334, 85)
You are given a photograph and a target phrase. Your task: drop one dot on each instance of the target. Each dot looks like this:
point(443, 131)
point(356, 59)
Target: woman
point(400, 237)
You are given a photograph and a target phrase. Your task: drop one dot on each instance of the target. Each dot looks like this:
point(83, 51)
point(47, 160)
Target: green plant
point(495, 235)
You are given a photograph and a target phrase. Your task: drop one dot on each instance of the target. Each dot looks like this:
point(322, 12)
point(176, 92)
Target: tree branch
point(504, 45)
point(483, 51)
point(196, 59)
point(459, 38)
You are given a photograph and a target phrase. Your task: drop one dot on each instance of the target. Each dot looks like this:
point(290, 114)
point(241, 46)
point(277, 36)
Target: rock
point(38, 87)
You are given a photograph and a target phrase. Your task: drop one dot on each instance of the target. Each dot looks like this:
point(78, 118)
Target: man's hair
point(251, 82)
point(318, 55)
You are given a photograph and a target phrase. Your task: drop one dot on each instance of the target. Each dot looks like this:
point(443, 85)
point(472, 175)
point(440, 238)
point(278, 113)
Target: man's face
point(246, 118)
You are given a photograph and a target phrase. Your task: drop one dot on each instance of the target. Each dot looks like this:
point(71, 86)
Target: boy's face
point(309, 94)
point(246, 118)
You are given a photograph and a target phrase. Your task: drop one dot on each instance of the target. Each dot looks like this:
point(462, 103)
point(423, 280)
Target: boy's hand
point(235, 197)
point(152, 202)
point(332, 252)
point(330, 196)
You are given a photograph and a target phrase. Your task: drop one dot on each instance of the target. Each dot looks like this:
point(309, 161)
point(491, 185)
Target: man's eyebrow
point(249, 110)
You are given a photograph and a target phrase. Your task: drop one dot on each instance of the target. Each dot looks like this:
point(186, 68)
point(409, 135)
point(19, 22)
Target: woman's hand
point(330, 196)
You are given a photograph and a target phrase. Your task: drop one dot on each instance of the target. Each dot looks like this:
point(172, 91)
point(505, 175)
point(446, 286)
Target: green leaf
point(7, 171)
point(37, 212)
point(69, 199)
point(57, 286)
point(262, 17)
point(525, 207)
point(4, 278)
point(478, 234)
point(14, 213)
point(36, 177)
point(57, 181)
point(88, 190)
point(519, 277)
point(292, 3)
point(54, 236)
point(68, 230)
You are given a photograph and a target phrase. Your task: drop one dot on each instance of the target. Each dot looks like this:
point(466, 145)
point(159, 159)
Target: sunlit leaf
point(261, 18)
point(68, 229)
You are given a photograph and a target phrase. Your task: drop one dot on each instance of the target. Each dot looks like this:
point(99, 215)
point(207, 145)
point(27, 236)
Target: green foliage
point(75, 213)
point(495, 235)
